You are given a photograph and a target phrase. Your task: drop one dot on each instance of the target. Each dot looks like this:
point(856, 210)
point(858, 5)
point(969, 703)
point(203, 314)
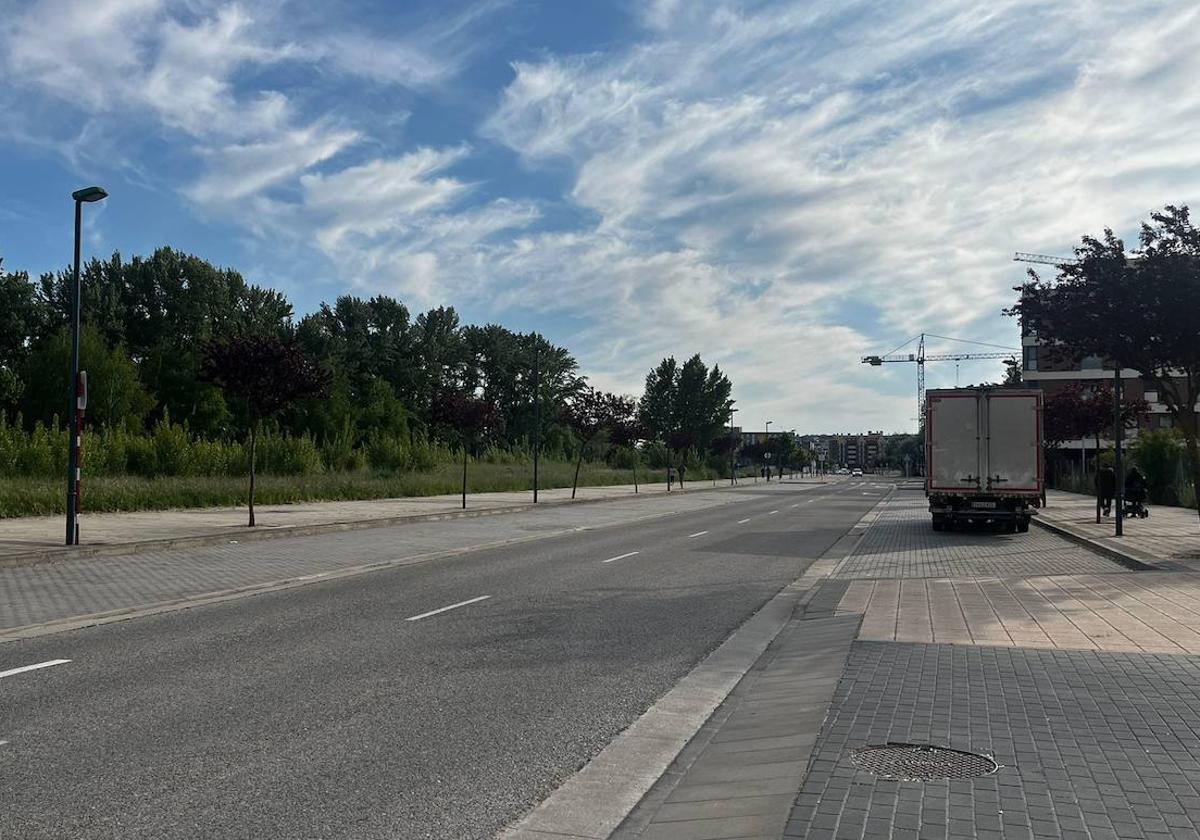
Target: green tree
point(593, 413)
point(685, 406)
point(1140, 313)
point(23, 320)
point(116, 396)
point(265, 375)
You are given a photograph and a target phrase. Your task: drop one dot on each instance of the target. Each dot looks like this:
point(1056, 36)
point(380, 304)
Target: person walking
point(1106, 488)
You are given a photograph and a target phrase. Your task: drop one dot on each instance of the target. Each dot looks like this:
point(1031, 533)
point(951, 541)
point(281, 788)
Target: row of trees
point(1138, 310)
point(172, 336)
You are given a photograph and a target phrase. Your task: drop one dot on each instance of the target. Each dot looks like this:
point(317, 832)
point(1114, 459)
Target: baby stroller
point(1135, 494)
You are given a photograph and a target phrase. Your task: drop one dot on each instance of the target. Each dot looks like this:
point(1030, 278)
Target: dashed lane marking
point(697, 534)
point(447, 609)
point(14, 671)
point(742, 521)
point(621, 556)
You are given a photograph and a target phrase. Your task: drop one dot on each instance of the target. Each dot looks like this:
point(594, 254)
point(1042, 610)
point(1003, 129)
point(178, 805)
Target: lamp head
point(89, 194)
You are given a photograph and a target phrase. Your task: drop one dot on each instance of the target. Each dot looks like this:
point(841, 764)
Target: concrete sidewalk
point(1168, 539)
point(39, 538)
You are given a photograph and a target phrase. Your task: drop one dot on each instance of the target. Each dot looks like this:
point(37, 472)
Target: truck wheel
point(1023, 526)
point(938, 523)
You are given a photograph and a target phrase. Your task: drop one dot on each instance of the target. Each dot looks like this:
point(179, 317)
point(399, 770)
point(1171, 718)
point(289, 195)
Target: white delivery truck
point(983, 456)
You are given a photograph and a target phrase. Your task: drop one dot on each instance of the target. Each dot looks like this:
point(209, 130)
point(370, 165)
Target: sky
point(779, 187)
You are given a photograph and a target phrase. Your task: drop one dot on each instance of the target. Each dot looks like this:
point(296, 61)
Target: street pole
point(767, 454)
point(537, 416)
point(1119, 430)
point(732, 449)
point(73, 392)
point(72, 420)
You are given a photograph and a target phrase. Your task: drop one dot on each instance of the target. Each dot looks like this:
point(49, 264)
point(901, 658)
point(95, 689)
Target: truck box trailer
point(983, 456)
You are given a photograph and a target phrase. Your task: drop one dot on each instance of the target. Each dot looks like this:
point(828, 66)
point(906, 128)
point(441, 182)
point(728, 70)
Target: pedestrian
point(1106, 488)
point(1135, 491)
point(682, 472)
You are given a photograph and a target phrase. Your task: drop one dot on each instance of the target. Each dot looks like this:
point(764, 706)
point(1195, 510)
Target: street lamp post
point(1118, 433)
point(732, 448)
point(537, 415)
point(74, 415)
point(767, 453)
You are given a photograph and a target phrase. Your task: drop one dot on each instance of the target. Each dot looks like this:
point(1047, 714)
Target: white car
point(856, 474)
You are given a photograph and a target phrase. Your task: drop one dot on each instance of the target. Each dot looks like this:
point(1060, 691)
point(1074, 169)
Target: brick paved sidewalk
point(1170, 537)
point(34, 534)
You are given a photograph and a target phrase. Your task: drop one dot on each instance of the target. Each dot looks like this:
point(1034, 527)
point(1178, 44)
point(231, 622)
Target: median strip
point(24, 668)
point(446, 609)
point(621, 556)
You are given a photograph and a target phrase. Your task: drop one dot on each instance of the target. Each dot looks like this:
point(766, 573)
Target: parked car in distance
point(857, 472)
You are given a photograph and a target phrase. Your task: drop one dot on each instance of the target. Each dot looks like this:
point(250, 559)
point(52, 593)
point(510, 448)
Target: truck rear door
point(954, 443)
point(1013, 463)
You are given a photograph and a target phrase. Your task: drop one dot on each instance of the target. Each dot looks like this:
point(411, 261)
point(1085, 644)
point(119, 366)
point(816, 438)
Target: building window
point(1029, 362)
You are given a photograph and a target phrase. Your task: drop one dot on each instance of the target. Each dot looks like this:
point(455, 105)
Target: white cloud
point(877, 169)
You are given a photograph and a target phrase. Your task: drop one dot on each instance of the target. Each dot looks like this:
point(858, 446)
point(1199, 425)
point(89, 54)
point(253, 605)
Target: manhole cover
point(921, 761)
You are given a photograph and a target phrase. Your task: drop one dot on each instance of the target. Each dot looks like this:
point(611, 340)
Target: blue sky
point(781, 187)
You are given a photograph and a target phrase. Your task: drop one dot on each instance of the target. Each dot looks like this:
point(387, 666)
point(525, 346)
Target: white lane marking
point(697, 534)
point(772, 513)
point(742, 521)
point(810, 501)
point(447, 609)
point(621, 556)
point(796, 505)
point(25, 668)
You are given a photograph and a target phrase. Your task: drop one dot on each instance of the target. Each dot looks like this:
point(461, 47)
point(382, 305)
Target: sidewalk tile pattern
point(1151, 612)
point(739, 774)
point(1091, 745)
point(902, 544)
point(1170, 536)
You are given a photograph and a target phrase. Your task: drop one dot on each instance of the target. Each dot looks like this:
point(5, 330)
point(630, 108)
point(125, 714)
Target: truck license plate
point(983, 504)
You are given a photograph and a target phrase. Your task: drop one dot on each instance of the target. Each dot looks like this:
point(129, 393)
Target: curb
point(60, 554)
point(1122, 558)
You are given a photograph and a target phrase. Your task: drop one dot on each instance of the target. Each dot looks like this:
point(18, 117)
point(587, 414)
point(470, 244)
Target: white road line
point(743, 521)
point(810, 501)
point(697, 534)
point(447, 609)
point(621, 556)
point(796, 505)
point(25, 668)
point(772, 513)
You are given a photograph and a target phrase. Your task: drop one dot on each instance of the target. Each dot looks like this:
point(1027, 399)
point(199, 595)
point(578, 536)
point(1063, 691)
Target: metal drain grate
point(915, 762)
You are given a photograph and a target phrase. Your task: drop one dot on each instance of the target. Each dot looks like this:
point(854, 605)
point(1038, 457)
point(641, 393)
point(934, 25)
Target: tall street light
point(74, 415)
point(767, 450)
point(732, 448)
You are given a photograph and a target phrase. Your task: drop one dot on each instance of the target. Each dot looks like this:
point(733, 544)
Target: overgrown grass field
point(32, 496)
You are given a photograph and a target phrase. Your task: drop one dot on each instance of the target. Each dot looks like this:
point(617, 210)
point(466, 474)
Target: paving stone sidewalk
point(1091, 746)
point(738, 776)
point(23, 535)
point(1169, 538)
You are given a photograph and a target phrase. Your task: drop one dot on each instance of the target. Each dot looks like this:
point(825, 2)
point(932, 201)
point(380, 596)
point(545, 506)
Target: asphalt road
point(342, 710)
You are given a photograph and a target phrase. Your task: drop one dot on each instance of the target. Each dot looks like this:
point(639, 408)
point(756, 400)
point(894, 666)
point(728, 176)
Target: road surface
point(439, 700)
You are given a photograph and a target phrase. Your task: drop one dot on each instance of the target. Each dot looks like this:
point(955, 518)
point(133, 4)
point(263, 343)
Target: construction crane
point(1044, 259)
point(920, 358)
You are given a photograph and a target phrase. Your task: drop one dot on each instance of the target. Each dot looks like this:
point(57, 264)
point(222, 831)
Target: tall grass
point(31, 496)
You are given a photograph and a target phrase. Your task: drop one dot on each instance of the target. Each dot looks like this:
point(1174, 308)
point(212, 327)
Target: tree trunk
point(578, 464)
point(253, 447)
point(464, 486)
point(635, 486)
